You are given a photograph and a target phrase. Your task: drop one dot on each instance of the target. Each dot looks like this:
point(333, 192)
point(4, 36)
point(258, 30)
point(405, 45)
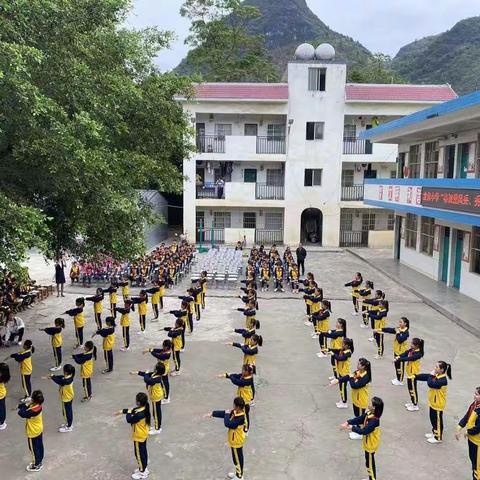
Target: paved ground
point(295, 423)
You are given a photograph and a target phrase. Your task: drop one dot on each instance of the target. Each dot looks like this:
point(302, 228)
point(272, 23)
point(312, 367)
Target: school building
point(284, 162)
point(436, 197)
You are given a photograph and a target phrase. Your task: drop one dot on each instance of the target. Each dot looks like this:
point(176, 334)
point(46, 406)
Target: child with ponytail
point(86, 360)
point(342, 360)
point(321, 322)
point(108, 335)
point(56, 334)
point(24, 358)
point(78, 319)
point(336, 342)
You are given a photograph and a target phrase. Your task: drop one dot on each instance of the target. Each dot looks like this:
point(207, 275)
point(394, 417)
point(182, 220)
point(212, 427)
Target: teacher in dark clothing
point(301, 255)
point(60, 275)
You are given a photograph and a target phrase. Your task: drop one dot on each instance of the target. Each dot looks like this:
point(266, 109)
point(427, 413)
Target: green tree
point(223, 50)
point(86, 120)
point(376, 70)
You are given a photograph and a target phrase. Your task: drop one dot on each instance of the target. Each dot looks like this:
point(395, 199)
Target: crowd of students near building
point(265, 269)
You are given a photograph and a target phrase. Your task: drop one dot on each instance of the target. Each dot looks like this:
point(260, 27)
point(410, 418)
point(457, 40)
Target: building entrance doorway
point(311, 226)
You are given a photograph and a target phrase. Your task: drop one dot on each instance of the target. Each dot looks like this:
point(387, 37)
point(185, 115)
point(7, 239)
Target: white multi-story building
point(290, 158)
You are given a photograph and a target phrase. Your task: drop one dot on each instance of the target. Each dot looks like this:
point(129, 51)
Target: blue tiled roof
point(460, 103)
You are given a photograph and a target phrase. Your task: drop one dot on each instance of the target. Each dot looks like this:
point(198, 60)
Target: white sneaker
point(354, 436)
point(276, 290)
point(140, 332)
point(355, 314)
point(234, 475)
point(341, 405)
point(307, 324)
point(397, 383)
point(433, 440)
point(55, 369)
point(33, 468)
point(314, 335)
point(429, 435)
point(283, 289)
point(408, 404)
point(378, 357)
point(65, 429)
point(140, 475)
point(26, 400)
point(165, 401)
point(176, 374)
point(321, 355)
point(371, 339)
point(362, 325)
point(3, 426)
point(413, 408)
point(331, 378)
point(153, 431)
point(125, 349)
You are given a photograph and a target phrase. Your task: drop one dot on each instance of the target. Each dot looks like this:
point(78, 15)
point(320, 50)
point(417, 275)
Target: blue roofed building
point(436, 195)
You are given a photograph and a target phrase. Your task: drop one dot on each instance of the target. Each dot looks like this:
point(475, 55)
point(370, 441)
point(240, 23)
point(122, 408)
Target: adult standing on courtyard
point(60, 275)
point(301, 255)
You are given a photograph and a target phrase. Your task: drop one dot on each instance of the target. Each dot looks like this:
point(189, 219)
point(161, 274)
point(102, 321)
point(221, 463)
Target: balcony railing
point(355, 146)
point(268, 237)
point(271, 145)
point(210, 191)
point(269, 192)
point(354, 193)
point(353, 238)
point(210, 144)
point(211, 235)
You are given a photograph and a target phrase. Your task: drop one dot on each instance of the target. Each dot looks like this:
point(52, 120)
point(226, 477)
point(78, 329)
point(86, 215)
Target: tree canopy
point(86, 120)
point(377, 69)
point(223, 48)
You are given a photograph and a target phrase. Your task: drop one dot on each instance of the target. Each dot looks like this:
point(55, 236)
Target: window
point(349, 133)
point(200, 219)
point(251, 129)
point(274, 177)
point(393, 174)
point(250, 175)
point(313, 177)
point(346, 221)
point(222, 220)
point(411, 231)
point(276, 131)
point(249, 220)
point(368, 221)
point(427, 230)
point(475, 256)
point(391, 221)
point(317, 79)
point(315, 130)
point(414, 161)
point(222, 130)
point(347, 178)
point(431, 159)
point(273, 221)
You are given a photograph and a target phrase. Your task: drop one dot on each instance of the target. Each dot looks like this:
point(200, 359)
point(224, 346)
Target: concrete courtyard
point(295, 424)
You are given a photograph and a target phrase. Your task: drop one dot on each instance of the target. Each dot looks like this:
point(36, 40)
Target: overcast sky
point(380, 25)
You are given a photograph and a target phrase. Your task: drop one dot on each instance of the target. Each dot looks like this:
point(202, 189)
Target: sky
point(381, 25)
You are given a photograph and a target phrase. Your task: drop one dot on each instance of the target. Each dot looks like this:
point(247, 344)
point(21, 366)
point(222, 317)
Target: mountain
point(286, 24)
point(449, 57)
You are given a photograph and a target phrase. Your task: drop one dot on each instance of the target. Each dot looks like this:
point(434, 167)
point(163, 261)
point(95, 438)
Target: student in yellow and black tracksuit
point(367, 427)
point(342, 359)
point(294, 277)
point(471, 421)
point(359, 383)
point(278, 274)
point(196, 293)
point(78, 319)
point(56, 336)
point(163, 355)
point(412, 359)
point(182, 315)
point(24, 358)
point(336, 342)
point(125, 324)
point(313, 299)
point(400, 345)
point(112, 291)
point(250, 351)
point(32, 413)
point(203, 282)
point(249, 313)
point(156, 392)
point(246, 389)
point(355, 286)
point(4, 379)
point(264, 277)
point(308, 290)
point(125, 288)
point(142, 302)
point(235, 420)
point(373, 305)
point(139, 419)
point(86, 360)
point(365, 294)
point(108, 335)
point(248, 333)
point(155, 298)
point(176, 335)
point(437, 398)
point(379, 318)
point(65, 384)
point(190, 301)
point(97, 300)
point(321, 322)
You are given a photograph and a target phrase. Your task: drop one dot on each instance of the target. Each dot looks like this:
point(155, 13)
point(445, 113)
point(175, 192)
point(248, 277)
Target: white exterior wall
point(307, 106)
